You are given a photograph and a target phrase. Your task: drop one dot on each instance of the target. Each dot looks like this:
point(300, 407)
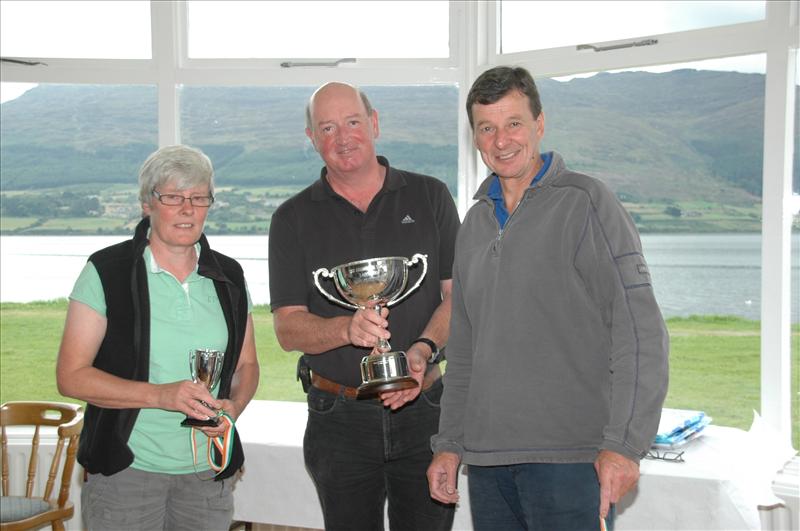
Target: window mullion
point(165, 28)
point(776, 225)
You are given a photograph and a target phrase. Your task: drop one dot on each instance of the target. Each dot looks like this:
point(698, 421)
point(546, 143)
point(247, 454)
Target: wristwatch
point(434, 349)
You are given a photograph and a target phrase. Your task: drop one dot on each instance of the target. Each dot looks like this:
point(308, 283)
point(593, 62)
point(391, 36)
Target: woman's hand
point(192, 399)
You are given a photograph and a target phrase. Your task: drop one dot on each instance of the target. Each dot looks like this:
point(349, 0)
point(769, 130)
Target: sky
point(586, 22)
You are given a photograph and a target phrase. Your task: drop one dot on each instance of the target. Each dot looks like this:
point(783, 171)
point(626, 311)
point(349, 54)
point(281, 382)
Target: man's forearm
point(305, 332)
point(438, 327)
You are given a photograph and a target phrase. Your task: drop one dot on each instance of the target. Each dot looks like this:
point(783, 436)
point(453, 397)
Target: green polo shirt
point(183, 317)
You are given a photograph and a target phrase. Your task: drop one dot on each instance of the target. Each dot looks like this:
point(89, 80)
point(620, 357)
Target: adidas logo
point(407, 219)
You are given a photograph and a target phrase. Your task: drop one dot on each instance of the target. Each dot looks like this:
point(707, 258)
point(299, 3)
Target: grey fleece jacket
point(557, 347)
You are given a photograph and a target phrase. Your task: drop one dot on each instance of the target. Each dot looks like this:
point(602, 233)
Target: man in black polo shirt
point(359, 452)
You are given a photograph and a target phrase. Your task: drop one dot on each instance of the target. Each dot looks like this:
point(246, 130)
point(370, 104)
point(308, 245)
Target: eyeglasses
point(203, 201)
point(673, 457)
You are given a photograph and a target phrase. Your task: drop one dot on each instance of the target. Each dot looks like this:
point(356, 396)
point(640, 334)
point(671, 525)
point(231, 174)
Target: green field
point(695, 217)
point(9, 224)
point(714, 362)
point(30, 334)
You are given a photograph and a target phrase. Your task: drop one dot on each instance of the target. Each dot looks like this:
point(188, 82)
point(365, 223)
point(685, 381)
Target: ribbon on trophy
point(223, 444)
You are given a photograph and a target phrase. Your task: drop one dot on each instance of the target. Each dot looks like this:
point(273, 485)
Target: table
point(275, 487)
point(713, 489)
point(706, 491)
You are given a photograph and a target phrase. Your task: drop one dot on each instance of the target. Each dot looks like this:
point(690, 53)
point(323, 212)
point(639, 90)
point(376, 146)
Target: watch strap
point(434, 349)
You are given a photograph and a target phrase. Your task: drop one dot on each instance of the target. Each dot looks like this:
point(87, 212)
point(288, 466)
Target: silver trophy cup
point(205, 366)
point(378, 281)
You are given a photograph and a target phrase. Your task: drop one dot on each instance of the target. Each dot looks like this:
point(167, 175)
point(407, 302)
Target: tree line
point(65, 204)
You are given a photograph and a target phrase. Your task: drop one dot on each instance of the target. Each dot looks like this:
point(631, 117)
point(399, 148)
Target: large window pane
point(534, 25)
point(71, 155)
point(318, 29)
point(70, 158)
point(68, 29)
point(683, 150)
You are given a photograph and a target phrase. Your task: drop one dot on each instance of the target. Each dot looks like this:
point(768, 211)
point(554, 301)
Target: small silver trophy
point(380, 281)
point(205, 366)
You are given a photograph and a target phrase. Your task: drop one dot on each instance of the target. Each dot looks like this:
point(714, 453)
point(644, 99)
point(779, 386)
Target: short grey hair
point(364, 100)
point(184, 166)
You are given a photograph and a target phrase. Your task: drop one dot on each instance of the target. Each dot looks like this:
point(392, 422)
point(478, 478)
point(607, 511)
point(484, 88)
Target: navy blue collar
point(495, 191)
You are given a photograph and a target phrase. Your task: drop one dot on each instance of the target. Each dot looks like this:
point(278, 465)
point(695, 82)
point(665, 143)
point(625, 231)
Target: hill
point(681, 136)
point(56, 135)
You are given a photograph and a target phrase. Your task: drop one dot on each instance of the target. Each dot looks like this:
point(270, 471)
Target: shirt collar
point(321, 188)
point(153, 266)
point(495, 191)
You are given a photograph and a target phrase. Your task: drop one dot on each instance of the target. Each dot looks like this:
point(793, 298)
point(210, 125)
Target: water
point(692, 273)
point(706, 273)
point(45, 267)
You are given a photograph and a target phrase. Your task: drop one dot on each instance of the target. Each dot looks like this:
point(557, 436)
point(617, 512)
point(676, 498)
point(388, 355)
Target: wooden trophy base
point(368, 390)
point(197, 423)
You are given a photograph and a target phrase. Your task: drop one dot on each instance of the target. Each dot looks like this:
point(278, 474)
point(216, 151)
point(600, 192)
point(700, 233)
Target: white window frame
point(474, 43)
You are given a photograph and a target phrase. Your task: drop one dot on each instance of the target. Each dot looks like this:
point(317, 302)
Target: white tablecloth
point(704, 492)
point(712, 489)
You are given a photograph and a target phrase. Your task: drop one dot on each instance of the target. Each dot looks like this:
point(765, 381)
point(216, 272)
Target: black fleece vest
point(125, 349)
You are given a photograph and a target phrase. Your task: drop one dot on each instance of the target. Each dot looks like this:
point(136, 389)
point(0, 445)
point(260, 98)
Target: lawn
point(714, 362)
point(30, 334)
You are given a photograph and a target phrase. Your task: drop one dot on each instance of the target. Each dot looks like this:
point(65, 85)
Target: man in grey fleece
point(557, 360)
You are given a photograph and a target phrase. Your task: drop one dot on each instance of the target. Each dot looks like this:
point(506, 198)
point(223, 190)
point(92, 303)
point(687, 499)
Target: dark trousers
point(360, 453)
point(536, 496)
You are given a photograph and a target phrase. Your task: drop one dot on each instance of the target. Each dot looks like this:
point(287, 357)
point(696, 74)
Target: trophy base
point(384, 386)
point(197, 423)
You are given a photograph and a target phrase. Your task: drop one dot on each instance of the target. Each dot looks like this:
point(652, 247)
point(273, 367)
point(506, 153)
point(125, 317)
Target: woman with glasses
point(136, 312)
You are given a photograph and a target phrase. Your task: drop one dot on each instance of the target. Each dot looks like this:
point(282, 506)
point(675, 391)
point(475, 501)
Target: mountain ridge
point(685, 134)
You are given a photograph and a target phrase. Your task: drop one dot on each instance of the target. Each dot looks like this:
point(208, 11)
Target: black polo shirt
point(317, 228)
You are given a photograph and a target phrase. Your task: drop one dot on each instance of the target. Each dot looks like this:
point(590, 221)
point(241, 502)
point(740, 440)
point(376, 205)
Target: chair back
point(69, 420)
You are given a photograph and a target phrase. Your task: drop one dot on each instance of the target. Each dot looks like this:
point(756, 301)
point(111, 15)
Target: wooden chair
point(27, 512)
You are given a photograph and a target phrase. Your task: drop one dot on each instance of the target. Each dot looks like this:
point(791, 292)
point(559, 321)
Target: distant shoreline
point(709, 274)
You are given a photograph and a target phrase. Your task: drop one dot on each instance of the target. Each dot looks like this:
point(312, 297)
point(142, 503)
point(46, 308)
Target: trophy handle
point(414, 259)
point(327, 274)
point(364, 372)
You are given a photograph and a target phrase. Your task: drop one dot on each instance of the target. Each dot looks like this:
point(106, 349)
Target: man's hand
point(366, 327)
point(417, 363)
point(617, 475)
point(442, 477)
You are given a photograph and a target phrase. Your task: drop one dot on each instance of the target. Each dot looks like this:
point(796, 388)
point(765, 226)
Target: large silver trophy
point(379, 282)
point(205, 366)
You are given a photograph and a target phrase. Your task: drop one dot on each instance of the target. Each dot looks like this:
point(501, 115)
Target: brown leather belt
point(329, 386)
